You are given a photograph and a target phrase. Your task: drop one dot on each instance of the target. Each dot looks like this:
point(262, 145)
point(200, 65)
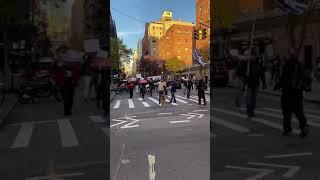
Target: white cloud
point(127, 33)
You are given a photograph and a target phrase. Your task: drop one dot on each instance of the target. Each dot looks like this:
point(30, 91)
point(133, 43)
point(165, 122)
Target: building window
point(179, 31)
point(178, 57)
point(167, 38)
point(186, 41)
point(186, 49)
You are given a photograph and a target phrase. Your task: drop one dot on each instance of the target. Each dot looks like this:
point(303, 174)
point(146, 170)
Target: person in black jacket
point(201, 87)
point(189, 87)
point(254, 79)
point(173, 90)
point(292, 82)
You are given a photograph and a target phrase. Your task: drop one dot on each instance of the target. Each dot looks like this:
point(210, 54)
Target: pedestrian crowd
point(162, 86)
point(289, 75)
point(65, 77)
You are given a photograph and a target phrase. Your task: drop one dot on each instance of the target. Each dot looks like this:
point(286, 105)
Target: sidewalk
point(9, 103)
point(313, 96)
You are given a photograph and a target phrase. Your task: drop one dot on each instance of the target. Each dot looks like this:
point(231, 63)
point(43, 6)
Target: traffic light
point(195, 34)
point(204, 34)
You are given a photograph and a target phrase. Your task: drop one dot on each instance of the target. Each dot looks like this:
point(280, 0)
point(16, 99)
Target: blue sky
point(147, 10)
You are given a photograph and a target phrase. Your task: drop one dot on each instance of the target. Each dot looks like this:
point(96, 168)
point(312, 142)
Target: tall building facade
point(167, 38)
point(203, 22)
point(177, 42)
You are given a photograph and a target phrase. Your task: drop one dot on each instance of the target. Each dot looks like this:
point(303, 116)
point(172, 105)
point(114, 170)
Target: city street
point(171, 142)
point(38, 142)
point(252, 150)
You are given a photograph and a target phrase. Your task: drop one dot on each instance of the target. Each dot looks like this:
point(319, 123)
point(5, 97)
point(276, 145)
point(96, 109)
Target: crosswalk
point(148, 102)
point(235, 119)
point(69, 136)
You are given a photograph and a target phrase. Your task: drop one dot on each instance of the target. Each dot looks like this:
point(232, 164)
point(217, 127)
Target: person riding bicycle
point(161, 88)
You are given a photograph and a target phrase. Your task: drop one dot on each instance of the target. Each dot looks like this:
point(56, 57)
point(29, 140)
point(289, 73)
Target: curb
point(7, 111)
point(278, 95)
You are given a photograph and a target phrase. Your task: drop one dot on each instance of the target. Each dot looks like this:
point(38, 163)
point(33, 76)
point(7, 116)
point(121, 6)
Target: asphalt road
point(171, 142)
point(252, 150)
point(38, 142)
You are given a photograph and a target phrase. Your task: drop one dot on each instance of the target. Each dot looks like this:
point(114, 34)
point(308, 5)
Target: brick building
point(177, 42)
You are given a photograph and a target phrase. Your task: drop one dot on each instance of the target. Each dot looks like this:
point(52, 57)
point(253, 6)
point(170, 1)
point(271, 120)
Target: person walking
point(151, 86)
point(131, 87)
point(68, 87)
point(240, 74)
point(173, 90)
point(143, 90)
point(292, 83)
point(86, 72)
point(161, 89)
point(254, 79)
point(201, 87)
point(189, 87)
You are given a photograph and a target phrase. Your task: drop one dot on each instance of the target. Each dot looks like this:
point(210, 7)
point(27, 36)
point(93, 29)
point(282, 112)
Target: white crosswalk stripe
point(182, 101)
point(195, 97)
point(146, 104)
point(307, 115)
point(230, 125)
point(280, 117)
point(117, 105)
point(154, 100)
point(254, 119)
point(67, 134)
point(188, 99)
point(24, 136)
point(131, 105)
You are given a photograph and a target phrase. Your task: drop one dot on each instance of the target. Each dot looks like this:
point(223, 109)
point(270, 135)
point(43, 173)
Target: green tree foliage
point(174, 65)
point(120, 53)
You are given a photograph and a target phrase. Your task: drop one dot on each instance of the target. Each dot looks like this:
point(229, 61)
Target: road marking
point(263, 172)
point(182, 101)
point(288, 155)
point(131, 105)
point(129, 125)
point(106, 131)
point(290, 173)
point(154, 100)
point(230, 125)
point(24, 136)
point(200, 110)
point(188, 99)
point(259, 120)
point(152, 172)
point(164, 113)
point(117, 105)
point(176, 122)
point(97, 119)
point(34, 122)
point(56, 177)
point(307, 115)
point(280, 117)
point(67, 134)
point(195, 97)
point(140, 99)
point(117, 120)
point(146, 104)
